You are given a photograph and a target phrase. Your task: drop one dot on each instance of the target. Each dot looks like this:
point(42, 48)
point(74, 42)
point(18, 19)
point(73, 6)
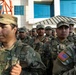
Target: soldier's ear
point(15, 29)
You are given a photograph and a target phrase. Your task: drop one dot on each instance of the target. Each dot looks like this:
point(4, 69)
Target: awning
point(54, 20)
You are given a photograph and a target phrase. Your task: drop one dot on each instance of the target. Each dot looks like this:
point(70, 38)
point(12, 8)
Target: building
point(30, 12)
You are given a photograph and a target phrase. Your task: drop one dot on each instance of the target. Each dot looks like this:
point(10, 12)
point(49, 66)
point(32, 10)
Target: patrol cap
point(71, 23)
point(40, 26)
point(62, 23)
point(48, 28)
point(8, 19)
point(53, 30)
point(33, 29)
point(22, 29)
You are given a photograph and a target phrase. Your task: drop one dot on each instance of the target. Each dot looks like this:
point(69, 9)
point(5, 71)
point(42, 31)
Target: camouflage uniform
point(65, 64)
point(57, 46)
point(13, 52)
point(37, 46)
point(53, 47)
point(21, 53)
point(38, 41)
point(48, 31)
point(72, 35)
point(27, 38)
point(34, 33)
point(47, 58)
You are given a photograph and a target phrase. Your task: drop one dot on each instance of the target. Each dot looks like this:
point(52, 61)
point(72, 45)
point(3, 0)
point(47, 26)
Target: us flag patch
point(63, 56)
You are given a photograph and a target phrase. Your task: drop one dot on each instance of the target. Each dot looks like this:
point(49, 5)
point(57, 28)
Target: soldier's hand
point(16, 70)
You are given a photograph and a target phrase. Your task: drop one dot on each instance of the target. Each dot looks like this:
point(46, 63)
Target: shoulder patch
point(63, 56)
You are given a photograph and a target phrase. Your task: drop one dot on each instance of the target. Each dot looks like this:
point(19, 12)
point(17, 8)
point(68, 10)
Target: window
point(68, 8)
point(43, 10)
point(19, 10)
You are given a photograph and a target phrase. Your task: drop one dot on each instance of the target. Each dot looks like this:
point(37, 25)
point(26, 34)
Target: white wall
point(21, 19)
point(56, 7)
point(28, 18)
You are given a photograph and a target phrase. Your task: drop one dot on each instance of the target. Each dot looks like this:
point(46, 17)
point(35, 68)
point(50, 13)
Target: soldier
point(54, 33)
point(72, 34)
point(48, 32)
point(56, 45)
point(23, 35)
point(65, 64)
point(60, 42)
point(38, 41)
point(34, 33)
point(16, 58)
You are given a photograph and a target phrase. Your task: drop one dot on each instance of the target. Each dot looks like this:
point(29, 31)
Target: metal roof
point(54, 20)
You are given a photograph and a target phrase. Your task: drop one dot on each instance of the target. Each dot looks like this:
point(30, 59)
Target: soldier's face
point(22, 35)
point(6, 33)
point(71, 28)
point(62, 32)
point(48, 32)
point(40, 32)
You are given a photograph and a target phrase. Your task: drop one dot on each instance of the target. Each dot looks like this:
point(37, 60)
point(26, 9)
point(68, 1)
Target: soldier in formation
point(23, 36)
point(48, 32)
point(72, 34)
point(65, 64)
point(16, 58)
point(52, 48)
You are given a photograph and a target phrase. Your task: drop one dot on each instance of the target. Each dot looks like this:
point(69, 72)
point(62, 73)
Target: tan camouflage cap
point(8, 19)
point(62, 23)
point(40, 26)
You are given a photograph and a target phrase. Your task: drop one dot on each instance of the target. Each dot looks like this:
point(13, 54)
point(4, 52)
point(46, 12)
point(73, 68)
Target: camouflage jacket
point(57, 46)
point(29, 60)
point(65, 64)
point(26, 39)
point(52, 48)
point(72, 37)
point(37, 43)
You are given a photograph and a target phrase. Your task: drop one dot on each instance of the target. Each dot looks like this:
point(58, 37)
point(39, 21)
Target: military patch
point(63, 56)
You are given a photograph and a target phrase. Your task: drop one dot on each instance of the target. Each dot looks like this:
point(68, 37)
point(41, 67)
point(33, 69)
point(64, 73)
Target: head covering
point(53, 30)
point(8, 19)
point(40, 26)
point(71, 23)
point(48, 28)
point(33, 29)
point(62, 23)
point(22, 29)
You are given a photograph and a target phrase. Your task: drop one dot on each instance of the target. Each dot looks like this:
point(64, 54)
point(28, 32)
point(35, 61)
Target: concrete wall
point(28, 18)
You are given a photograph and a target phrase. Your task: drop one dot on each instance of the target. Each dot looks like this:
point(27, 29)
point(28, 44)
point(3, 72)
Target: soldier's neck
point(8, 45)
point(61, 39)
point(40, 37)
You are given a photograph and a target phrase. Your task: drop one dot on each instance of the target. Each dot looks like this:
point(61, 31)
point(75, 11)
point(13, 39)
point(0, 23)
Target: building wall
point(33, 20)
point(21, 18)
point(28, 19)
